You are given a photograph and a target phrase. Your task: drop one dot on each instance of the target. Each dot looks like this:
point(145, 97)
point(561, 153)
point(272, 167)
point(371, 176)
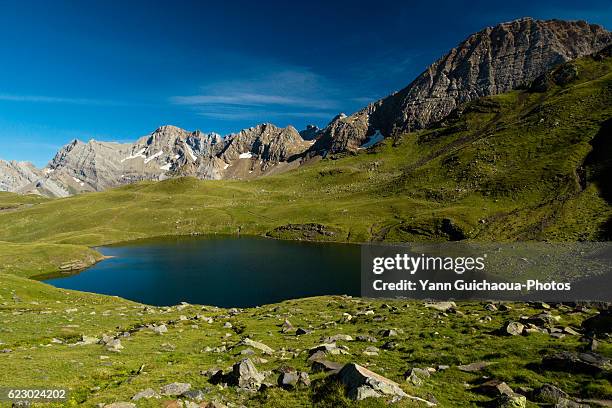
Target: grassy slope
point(33, 314)
point(511, 161)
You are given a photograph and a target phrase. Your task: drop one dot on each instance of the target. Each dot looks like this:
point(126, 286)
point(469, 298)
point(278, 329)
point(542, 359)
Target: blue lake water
point(221, 271)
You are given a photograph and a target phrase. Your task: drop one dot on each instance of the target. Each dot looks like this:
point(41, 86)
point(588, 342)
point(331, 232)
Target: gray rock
point(362, 383)
point(513, 328)
point(548, 393)
point(245, 375)
point(511, 401)
point(120, 405)
point(147, 393)
point(587, 363)
point(366, 338)
point(256, 345)
point(326, 366)
point(442, 306)
point(175, 389)
point(473, 367)
point(291, 378)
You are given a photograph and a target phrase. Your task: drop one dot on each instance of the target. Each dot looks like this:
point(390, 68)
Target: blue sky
point(116, 70)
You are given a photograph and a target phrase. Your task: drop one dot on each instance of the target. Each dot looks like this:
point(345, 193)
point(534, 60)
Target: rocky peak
point(310, 133)
point(267, 142)
point(492, 61)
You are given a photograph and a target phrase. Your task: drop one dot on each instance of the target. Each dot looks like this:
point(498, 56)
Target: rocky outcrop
point(492, 61)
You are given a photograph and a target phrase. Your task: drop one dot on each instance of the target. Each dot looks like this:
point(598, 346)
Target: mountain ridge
point(494, 60)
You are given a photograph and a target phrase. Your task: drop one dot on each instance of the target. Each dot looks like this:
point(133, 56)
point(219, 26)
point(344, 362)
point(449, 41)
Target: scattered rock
point(389, 333)
point(587, 363)
point(175, 389)
point(490, 307)
point(473, 367)
point(300, 331)
point(511, 401)
point(494, 388)
point(326, 366)
point(291, 378)
point(337, 337)
point(371, 351)
point(442, 306)
point(548, 393)
point(147, 393)
point(161, 329)
point(513, 328)
point(366, 338)
point(257, 345)
point(120, 405)
point(416, 376)
point(362, 383)
point(244, 375)
point(196, 395)
point(599, 324)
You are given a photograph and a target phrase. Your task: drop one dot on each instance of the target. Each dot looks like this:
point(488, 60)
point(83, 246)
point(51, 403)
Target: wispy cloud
point(56, 99)
point(276, 93)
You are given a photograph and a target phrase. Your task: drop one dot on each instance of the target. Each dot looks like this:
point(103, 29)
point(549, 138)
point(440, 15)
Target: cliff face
point(492, 61)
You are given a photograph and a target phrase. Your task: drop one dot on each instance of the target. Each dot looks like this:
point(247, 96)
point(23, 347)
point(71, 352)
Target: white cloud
point(55, 99)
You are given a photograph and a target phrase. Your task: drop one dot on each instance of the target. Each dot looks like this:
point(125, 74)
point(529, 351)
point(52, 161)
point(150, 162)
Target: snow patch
point(226, 166)
point(139, 153)
point(246, 155)
point(48, 170)
point(78, 181)
point(377, 137)
point(148, 159)
point(177, 156)
point(166, 166)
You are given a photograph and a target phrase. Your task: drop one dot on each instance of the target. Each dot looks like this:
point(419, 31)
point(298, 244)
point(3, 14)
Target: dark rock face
point(310, 133)
point(492, 61)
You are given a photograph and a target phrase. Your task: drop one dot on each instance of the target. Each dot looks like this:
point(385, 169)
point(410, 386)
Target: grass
point(33, 314)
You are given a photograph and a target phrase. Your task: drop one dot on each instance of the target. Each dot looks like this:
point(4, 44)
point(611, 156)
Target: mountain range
point(490, 62)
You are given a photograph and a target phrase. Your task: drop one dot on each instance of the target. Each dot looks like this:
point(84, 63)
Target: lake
point(221, 271)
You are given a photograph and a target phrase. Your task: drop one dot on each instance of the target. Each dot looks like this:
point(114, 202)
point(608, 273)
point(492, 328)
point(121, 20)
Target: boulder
point(366, 338)
point(147, 393)
point(257, 345)
point(326, 366)
point(337, 337)
point(513, 328)
point(120, 405)
point(494, 388)
point(600, 324)
point(291, 378)
point(511, 401)
point(442, 306)
point(549, 394)
point(473, 367)
point(244, 375)
point(174, 389)
point(587, 363)
point(362, 383)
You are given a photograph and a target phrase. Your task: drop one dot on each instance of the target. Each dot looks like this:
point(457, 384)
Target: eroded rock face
point(492, 61)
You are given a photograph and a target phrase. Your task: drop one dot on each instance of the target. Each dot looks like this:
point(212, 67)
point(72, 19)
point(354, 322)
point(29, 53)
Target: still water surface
point(220, 271)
